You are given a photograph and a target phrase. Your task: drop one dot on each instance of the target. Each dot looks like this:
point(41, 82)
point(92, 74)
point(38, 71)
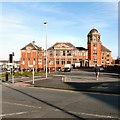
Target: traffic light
point(10, 58)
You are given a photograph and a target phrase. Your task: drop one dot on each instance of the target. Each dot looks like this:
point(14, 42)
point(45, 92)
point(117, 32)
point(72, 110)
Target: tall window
point(83, 54)
point(74, 53)
point(28, 61)
point(51, 61)
point(40, 61)
point(57, 62)
point(94, 52)
point(63, 61)
point(23, 61)
point(68, 52)
point(34, 61)
point(80, 53)
point(51, 53)
point(95, 61)
point(63, 52)
point(108, 54)
point(57, 52)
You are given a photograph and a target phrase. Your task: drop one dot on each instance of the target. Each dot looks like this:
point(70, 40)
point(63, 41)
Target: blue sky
point(22, 22)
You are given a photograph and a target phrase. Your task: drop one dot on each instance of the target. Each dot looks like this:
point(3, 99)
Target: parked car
point(102, 69)
point(65, 69)
point(58, 69)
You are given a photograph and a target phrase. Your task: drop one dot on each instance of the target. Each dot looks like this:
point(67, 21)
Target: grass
point(22, 74)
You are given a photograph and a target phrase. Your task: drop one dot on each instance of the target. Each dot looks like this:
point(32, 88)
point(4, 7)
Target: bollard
point(64, 78)
point(6, 76)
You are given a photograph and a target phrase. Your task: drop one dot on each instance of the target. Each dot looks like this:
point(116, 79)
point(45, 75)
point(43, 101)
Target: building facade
point(97, 53)
point(62, 53)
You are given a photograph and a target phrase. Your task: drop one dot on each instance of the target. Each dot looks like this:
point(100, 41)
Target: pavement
point(76, 83)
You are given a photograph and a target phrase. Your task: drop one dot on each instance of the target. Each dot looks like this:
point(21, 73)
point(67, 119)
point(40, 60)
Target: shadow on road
point(86, 87)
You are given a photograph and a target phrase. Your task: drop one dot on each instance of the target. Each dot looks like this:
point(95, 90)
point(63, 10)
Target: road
point(31, 102)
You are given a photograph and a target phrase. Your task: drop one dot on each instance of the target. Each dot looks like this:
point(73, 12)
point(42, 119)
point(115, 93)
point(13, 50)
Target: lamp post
point(12, 67)
point(45, 23)
point(54, 57)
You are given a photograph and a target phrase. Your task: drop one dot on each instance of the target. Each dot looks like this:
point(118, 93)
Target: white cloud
point(14, 34)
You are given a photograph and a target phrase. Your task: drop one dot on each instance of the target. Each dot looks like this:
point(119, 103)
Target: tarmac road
point(32, 102)
point(24, 100)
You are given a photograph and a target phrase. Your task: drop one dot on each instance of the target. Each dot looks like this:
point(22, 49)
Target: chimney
point(33, 42)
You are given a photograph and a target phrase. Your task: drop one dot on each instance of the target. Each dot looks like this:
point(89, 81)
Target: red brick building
point(31, 54)
point(97, 53)
point(62, 53)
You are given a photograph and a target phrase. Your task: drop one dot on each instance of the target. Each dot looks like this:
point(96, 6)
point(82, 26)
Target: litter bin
point(6, 76)
point(51, 69)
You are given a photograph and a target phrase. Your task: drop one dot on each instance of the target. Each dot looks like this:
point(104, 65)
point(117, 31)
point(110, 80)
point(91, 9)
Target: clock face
point(28, 49)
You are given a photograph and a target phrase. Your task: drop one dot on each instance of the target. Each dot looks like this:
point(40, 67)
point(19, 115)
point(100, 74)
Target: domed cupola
point(93, 31)
point(93, 35)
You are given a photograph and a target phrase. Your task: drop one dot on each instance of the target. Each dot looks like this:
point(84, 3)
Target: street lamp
point(45, 23)
point(13, 67)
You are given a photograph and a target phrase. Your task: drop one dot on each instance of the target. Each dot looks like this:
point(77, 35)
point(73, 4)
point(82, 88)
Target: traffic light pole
point(12, 71)
point(12, 61)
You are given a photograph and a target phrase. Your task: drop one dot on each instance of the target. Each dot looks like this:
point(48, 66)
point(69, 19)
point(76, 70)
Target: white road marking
point(94, 115)
point(59, 75)
point(10, 114)
point(21, 105)
point(57, 110)
point(17, 113)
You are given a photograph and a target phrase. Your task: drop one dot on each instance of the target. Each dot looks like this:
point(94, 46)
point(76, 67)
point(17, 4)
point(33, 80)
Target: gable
point(62, 45)
point(30, 46)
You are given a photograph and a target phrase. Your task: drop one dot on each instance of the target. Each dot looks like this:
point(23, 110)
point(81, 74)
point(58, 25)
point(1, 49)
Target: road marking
point(55, 89)
point(57, 110)
point(10, 114)
point(21, 105)
point(17, 113)
point(59, 75)
point(37, 79)
point(95, 115)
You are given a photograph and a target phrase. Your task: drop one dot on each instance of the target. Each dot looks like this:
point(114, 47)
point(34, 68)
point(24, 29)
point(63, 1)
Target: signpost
point(33, 74)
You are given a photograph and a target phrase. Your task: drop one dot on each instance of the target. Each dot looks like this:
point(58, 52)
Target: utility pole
point(45, 23)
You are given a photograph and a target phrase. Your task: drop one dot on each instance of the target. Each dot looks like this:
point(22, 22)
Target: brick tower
point(94, 47)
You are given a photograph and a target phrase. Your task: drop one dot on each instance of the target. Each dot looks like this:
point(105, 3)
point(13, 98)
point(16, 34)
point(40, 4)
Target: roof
point(93, 30)
point(66, 43)
point(34, 47)
point(104, 49)
point(81, 48)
